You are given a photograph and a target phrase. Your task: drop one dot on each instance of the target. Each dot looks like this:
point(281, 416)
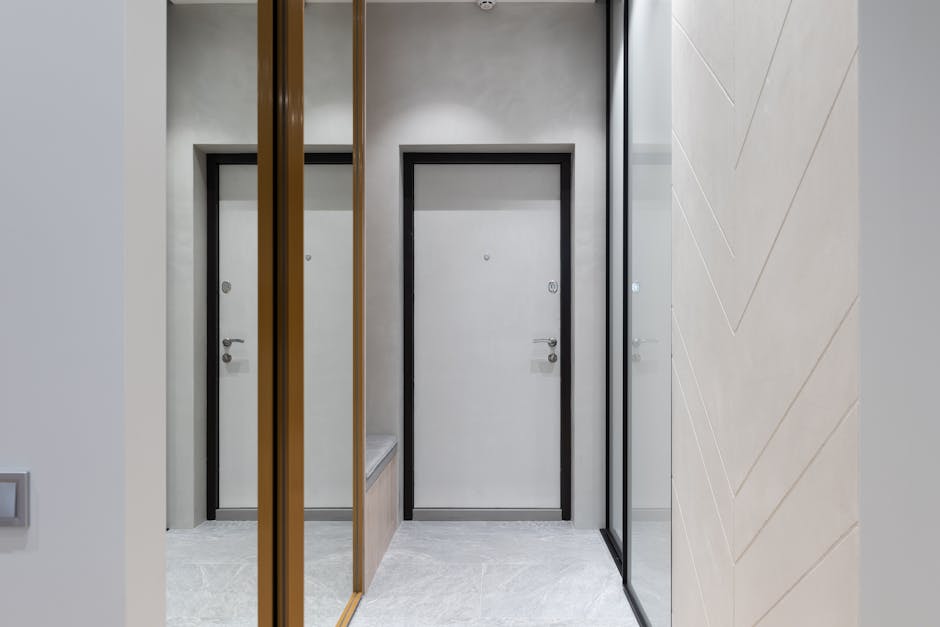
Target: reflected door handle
point(227, 342)
point(551, 341)
point(637, 341)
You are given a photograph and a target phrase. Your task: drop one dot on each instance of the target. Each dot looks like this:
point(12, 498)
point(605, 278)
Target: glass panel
point(328, 389)
point(213, 343)
point(212, 320)
point(615, 483)
point(649, 324)
point(328, 306)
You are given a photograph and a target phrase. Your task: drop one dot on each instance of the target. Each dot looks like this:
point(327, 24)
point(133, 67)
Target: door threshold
point(497, 514)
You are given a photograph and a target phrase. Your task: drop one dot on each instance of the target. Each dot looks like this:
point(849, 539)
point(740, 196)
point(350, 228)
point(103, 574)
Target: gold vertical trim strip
point(290, 319)
point(359, 264)
point(289, 314)
point(266, 199)
point(280, 314)
point(350, 610)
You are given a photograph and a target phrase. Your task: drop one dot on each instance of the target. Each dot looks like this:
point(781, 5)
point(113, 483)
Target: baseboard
point(500, 514)
point(323, 514)
point(651, 514)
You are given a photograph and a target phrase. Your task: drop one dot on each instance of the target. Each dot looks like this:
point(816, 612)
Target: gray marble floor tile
point(490, 623)
point(529, 574)
point(212, 577)
point(563, 591)
point(497, 542)
point(438, 593)
point(651, 573)
point(435, 574)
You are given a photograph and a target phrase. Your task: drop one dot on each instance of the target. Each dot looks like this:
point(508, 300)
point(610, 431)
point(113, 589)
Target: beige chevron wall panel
point(765, 320)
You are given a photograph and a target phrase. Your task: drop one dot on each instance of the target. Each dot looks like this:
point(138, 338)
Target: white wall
point(521, 75)
point(899, 130)
point(212, 105)
point(765, 341)
point(80, 238)
point(145, 344)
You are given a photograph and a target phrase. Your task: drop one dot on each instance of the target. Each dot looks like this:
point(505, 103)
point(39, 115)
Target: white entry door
point(487, 398)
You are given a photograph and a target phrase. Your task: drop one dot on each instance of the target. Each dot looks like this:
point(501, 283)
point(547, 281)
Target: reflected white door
point(327, 336)
point(649, 333)
point(486, 397)
point(238, 320)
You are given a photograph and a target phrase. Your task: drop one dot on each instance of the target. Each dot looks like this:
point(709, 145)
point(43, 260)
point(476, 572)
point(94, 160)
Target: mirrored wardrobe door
point(648, 300)
point(616, 259)
point(328, 289)
point(213, 339)
point(328, 374)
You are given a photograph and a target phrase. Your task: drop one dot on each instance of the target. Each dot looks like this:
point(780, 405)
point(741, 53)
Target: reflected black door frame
point(214, 162)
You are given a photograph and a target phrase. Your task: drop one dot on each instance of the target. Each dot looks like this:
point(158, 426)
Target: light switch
point(14, 499)
point(7, 500)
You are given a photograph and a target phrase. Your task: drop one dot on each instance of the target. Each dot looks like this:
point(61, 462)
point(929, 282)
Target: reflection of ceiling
point(383, 1)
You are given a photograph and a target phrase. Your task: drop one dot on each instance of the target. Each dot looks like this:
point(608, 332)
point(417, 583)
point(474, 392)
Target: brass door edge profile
point(266, 516)
point(280, 314)
point(358, 313)
point(350, 610)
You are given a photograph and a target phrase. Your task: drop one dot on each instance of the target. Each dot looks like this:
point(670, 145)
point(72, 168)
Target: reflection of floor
point(495, 574)
point(650, 572)
point(212, 574)
point(473, 574)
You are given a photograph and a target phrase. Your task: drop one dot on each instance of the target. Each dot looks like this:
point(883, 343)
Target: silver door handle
point(642, 340)
point(551, 341)
point(228, 341)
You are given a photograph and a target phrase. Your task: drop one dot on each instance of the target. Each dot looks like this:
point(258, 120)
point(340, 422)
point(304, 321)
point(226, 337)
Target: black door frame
point(409, 161)
point(214, 161)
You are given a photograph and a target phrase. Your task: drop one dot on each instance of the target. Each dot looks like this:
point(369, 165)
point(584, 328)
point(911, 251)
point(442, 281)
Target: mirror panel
point(616, 278)
point(328, 370)
point(328, 305)
point(648, 292)
point(212, 329)
point(212, 554)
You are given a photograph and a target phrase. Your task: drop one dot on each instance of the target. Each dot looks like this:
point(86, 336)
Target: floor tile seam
point(480, 598)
